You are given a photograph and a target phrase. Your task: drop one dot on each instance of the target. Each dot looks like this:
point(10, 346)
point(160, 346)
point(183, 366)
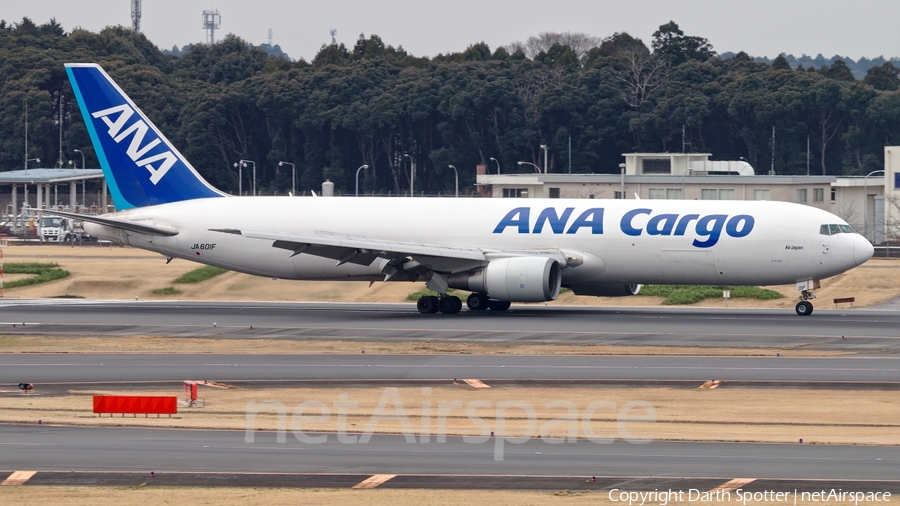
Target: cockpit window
point(835, 229)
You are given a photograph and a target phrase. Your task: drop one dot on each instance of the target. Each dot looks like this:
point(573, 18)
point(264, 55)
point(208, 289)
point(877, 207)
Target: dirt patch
point(116, 496)
point(155, 344)
point(677, 414)
point(131, 272)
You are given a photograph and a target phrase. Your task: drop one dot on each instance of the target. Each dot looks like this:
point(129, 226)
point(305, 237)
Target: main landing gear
point(429, 304)
point(480, 302)
point(449, 304)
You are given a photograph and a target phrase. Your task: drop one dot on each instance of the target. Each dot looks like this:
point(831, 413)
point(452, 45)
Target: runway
point(162, 450)
point(123, 456)
point(854, 330)
point(332, 370)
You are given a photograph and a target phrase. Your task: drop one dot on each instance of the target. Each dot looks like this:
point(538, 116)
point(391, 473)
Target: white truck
point(53, 228)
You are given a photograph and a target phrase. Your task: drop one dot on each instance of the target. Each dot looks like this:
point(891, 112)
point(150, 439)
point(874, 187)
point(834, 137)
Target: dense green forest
point(373, 103)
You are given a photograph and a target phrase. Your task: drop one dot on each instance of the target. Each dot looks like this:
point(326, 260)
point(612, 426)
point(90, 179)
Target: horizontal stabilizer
point(120, 224)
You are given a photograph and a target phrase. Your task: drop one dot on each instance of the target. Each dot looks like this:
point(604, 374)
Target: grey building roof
point(48, 176)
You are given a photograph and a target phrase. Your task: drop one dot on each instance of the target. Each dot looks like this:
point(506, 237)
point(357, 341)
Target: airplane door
point(689, 266)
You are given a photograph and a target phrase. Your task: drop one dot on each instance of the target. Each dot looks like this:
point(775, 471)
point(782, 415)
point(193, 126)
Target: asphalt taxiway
point(44, 369)
point(46, 448)
point(827, 329)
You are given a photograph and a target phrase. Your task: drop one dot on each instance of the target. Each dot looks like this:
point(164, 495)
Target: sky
point(427, 27)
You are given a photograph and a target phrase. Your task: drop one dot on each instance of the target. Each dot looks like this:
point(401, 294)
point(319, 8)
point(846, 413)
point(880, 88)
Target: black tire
point(427, 304)
point(477, 301)
point(804, 308)
point(457, 304)
point(450, 305)
point(498, 305)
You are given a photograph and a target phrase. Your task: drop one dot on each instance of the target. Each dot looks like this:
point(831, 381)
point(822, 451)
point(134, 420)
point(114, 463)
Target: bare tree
point(530, 86)
point(579, 43)
point(642, 75)
point(848, 210)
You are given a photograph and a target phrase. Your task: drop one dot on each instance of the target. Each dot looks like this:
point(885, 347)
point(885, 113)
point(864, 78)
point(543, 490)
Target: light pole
point(241, 164)
point(82, 157)
point(361, 167)
point(456, 177)
point(536, 168)
point(544, 147)
point(412, 172)
point(866, 203)
point(498, 165)
point(38, 160)
point(293, 176)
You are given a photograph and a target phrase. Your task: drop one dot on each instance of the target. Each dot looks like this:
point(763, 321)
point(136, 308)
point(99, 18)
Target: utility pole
point(772, 171)
point(570, 154)
point(60, 162)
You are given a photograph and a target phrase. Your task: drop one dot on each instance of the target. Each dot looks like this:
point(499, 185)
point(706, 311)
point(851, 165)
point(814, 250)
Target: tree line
point(373, 104)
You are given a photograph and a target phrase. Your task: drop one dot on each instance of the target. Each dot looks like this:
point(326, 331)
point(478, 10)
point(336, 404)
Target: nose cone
point(862, 250)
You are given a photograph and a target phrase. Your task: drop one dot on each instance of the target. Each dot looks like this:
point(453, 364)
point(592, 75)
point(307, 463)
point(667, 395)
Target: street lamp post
point(866, 203)
point(498, 165)
point(412, 174)
point(361, 167)
point(536, 168)
point(456, 177)
point(82, 157)
point(544, 147)
point(293, 176)
point(38, 160)
point(241, 164)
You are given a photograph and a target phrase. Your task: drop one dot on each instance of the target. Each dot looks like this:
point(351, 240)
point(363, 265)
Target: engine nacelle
point(517, 279)
point(604, 290)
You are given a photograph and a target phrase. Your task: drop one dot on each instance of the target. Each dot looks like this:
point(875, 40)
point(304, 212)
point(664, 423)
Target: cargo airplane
point(500, 250)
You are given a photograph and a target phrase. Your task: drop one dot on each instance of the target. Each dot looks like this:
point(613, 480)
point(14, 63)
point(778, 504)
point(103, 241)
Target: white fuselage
point(781, 243)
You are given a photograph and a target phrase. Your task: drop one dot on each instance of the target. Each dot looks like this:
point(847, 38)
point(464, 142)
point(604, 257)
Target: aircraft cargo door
point(689, 266)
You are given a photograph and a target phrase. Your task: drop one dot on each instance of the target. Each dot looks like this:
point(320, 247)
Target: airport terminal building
point(860, 200)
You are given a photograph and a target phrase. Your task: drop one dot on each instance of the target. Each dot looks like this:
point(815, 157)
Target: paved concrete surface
point(47, 448)
point(858, 330)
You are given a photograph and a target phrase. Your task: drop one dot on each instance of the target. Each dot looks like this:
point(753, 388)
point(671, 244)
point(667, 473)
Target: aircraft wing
point(405, 256)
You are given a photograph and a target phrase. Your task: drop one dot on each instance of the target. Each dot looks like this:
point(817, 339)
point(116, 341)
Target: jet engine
point(604, 290)
point(516, 279)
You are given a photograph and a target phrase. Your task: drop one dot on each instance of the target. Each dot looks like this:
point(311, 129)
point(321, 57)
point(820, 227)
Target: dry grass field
point(126, 273)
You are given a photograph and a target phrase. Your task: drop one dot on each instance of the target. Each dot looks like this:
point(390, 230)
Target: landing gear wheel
point(427, 304)
point(477, 301)
point(804, 308)
point(498, 305)
point(450, 305)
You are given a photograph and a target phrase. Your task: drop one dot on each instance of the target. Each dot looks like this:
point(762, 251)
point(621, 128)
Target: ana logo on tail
point(138, 130)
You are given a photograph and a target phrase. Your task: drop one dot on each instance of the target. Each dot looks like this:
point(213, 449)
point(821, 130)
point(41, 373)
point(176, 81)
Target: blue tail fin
point(141, 166)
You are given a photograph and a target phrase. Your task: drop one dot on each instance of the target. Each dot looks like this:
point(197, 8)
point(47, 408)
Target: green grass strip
point(201, 274)
point(678, 294)
point(44, 273)
point(169, 290)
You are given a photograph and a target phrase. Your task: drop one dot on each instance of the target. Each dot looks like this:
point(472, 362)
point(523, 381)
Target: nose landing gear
point(804, 308)
point(806, 287)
